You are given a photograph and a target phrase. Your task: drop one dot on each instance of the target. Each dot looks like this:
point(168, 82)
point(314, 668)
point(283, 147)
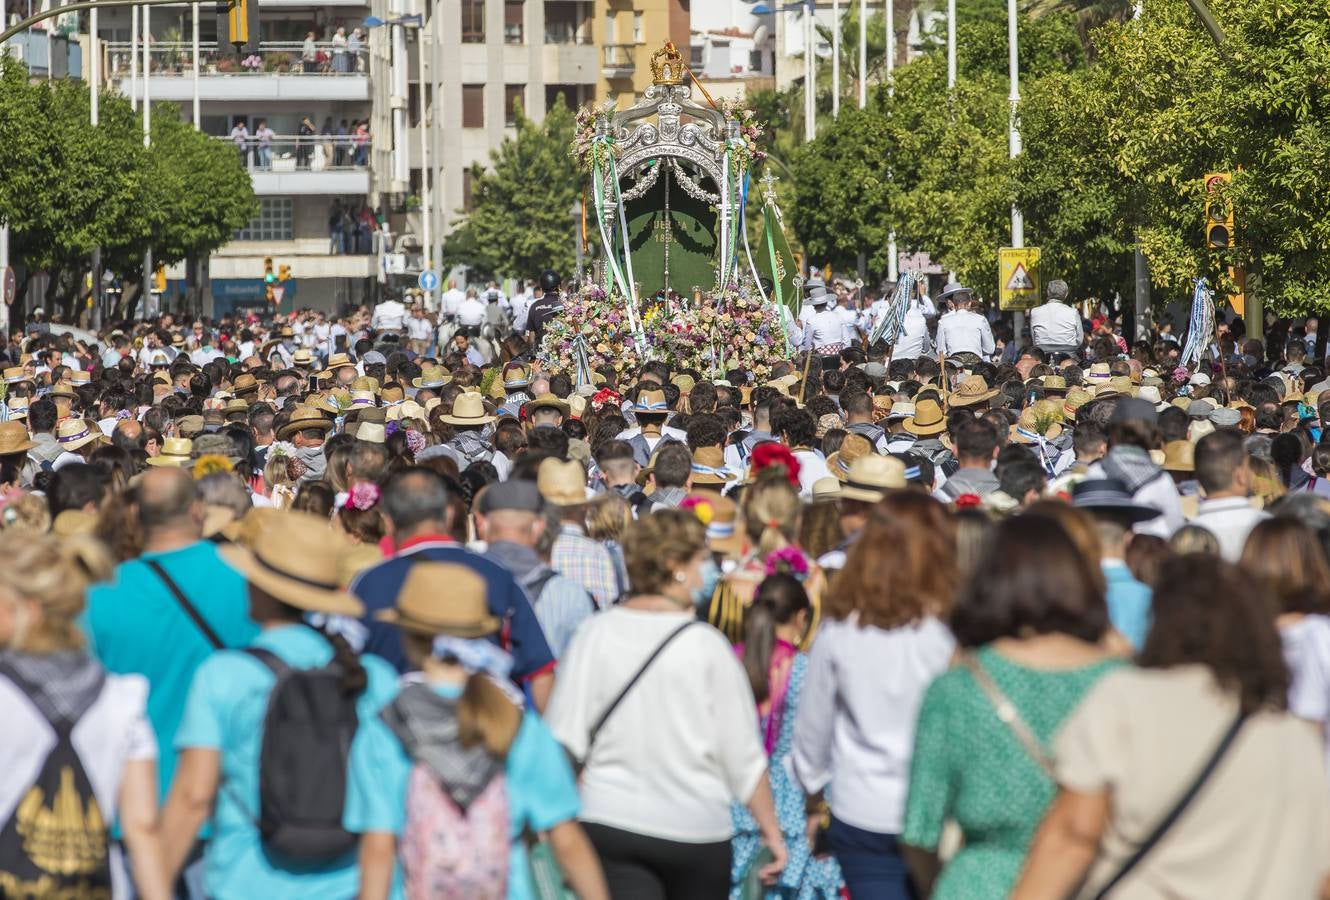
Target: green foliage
point(521, 220)
point(69, 187)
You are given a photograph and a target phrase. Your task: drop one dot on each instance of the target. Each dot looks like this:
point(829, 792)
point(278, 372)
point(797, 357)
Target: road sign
point(277, 292)
point(8, 286)
point(428, 280)
point(1018, 278)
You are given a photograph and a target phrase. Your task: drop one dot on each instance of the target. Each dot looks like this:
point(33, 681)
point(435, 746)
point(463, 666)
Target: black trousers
point(639, 867)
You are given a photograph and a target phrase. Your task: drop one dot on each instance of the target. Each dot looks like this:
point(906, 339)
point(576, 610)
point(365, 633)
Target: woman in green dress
point(1029, 623)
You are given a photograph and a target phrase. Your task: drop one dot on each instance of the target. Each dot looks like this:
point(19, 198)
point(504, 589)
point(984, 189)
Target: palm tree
point(1090, 14)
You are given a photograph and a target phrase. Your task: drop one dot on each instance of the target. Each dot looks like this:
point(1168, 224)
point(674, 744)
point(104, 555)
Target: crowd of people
point(333, 607)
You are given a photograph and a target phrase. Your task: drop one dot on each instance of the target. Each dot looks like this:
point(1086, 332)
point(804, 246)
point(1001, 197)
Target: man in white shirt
point(206, 352)
point(1055, 326)
point(914, 340)
point(452, 298)
point(471, 311)
point(1226, 478)
point(419, 329)
point(962, 330)
point(389, 316)
point(824, 331)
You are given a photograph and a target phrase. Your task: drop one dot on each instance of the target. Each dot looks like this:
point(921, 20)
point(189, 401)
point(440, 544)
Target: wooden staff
point(942, 377)
point(803, 385)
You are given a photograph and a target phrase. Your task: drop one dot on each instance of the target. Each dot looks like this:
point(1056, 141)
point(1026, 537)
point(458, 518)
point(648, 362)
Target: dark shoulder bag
point(190, 610)
point(1166, 823)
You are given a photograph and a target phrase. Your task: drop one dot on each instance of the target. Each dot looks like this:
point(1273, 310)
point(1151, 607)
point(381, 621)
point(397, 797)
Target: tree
point(521, 220)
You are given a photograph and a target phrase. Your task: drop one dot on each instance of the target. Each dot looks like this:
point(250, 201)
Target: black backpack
point(303, 761)
point(56, 841)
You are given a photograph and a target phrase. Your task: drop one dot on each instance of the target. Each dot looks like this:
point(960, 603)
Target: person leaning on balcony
point(340, 62)
point(309, 54)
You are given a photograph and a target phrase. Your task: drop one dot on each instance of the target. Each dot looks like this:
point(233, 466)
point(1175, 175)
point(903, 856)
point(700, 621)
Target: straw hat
point(74, 522)
point(245, 383)
point(362, 399)
point(442, 598)
point(562, 483)
point(1076, 398)
point(175, 452)
point(1179, 456)
point(709, 467)
point(18, 407)
point(577, 405)
point(1026, 430)
point(14, 438)
point(432, 376)
point(75, 433)
point(1099, 372)
point(927, 420)
point(304, 418)
point(393, 393)
point(468, 409)
point(16, 375)
point(721, 517)
point(826, 488)
point(303, 358)
point(855, 446)
point(64, 390)
point(366, 383)
point(1150, 394)
point(407, 409)
point(870, 478)
point(516, 376)
point(189, 426)
point(651, 403)
point(340, 361)
point(294, 560)
point(1055, 384)
point(972, 390)
point(684, 382)
point(546, 401)
point(371, 432)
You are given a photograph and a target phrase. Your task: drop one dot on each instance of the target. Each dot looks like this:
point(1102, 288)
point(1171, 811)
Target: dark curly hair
point(1212, 613)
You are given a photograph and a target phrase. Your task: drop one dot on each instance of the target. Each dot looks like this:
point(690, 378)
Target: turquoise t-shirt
point(542, 792)
point(135, 625)
point(225, 710)
point(1128, 602)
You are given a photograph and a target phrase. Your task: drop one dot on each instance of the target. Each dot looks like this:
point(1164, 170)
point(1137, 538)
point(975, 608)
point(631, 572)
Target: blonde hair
point(771, 511)
point(55, 573)
point(607, 516)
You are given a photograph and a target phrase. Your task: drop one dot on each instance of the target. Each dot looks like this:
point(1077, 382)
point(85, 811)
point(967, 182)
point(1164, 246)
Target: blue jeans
point(871, 863)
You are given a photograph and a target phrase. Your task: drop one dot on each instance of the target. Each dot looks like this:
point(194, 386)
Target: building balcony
point(308, 258)
point(317, 164)
point(277, 72)
point(618, 60)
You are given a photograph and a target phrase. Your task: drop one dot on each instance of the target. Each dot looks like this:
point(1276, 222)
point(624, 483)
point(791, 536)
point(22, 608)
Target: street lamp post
point(1014, 141)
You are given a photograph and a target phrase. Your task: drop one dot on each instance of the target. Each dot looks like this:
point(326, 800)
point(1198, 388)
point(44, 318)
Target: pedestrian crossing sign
point(1018, 278)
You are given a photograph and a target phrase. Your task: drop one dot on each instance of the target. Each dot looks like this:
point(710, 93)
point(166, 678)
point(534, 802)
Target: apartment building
point(732, 48)
point(628, 32)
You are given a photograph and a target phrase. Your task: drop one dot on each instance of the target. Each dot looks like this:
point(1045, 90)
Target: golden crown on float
point(667, 65)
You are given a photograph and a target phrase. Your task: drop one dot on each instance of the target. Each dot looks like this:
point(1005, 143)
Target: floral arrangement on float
point(728, 330)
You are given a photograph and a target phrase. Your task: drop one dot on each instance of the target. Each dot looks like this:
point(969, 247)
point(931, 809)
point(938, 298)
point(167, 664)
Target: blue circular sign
point(428, 280)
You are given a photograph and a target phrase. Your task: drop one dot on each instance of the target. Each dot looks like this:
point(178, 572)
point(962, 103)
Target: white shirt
point(854, 732)
point(811, 467)
point(471, 313)
point(451, 299)
point(112, 733)
point(963, 331)
point(521, 303)
point(1230, 519)
point(825, 329)
point(205, 355)
point(683, 743)
point(913, 341)
point(1056, 325)
point(850, 320)
point(1307, 654)
point(388, 316)
point(419, 328)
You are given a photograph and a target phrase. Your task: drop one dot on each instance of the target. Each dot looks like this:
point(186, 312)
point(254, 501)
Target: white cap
point(1199, 379)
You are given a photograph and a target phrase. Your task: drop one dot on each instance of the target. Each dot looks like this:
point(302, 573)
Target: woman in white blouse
point(882, 642)
point(663, 764)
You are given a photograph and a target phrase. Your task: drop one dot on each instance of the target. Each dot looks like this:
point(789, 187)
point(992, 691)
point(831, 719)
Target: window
point(637, 28)
point(273, 223)
point(467, 200)
point(513, 97)
point(473, 21)
point(755, 60)
point(473, 106)
point(696, 57)
point(514, 15)
point(609, 27)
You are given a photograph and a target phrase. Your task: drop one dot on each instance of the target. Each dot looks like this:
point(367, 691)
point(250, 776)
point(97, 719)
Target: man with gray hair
point(1056, 326)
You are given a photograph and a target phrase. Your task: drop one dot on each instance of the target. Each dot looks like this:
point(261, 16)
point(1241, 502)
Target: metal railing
point(297, 153)
point(567, 32)
point(277, 57)
point(618, 60)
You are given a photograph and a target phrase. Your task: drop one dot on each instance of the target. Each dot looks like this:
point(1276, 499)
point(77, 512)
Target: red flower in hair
point(773, 454)
point(965, 501)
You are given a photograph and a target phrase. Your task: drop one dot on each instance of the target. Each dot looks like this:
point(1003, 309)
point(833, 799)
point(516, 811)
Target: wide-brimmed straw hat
point(468, 409)
point(1179, 456)
point(18, 407)
point(972, 390)
point(295, 560)
point(176, 452)
point(75, 433)
point(245, 383)
point(340, 361)
point(440, 598)
point(16, 375)
point(927, 420)
point(826, 488)
point(562, 483)
point(651, 403)
point(432, 377)
point(14, 438)
point(720, 515)
point(303, 358)
point(709, 467)
point(546, 401)
point(854, 447)
point(304, 418)
point(871, 477)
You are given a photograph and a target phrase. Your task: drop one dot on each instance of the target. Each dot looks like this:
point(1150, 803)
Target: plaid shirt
point(587, 562)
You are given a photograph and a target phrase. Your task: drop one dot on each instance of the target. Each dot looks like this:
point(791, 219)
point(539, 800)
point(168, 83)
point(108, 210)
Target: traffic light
point(269, 278)
point(242, 25)
point(284, 273)
point(1218, 212)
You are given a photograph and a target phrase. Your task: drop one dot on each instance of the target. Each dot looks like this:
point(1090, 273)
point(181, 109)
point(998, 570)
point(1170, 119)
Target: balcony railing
point(567, 32)
point(278, 57)
point(295, 153)
point(617, 60)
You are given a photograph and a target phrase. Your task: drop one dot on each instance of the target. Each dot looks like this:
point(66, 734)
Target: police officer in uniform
point(546, 307)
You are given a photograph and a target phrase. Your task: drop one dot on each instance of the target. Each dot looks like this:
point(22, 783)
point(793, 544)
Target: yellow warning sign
point(1018, 278)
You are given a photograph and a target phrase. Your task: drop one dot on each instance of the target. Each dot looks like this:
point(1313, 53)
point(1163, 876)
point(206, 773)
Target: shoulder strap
point(1010, 716)
point(536, 586)
point(614, 704)
point(1166, 823)
point(274, 662)
point(188, 607)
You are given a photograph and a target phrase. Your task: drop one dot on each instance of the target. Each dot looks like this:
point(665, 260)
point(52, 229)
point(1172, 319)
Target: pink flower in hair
point(363, 495)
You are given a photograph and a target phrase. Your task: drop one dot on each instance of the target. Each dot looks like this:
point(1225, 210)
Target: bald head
point(168, 498)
